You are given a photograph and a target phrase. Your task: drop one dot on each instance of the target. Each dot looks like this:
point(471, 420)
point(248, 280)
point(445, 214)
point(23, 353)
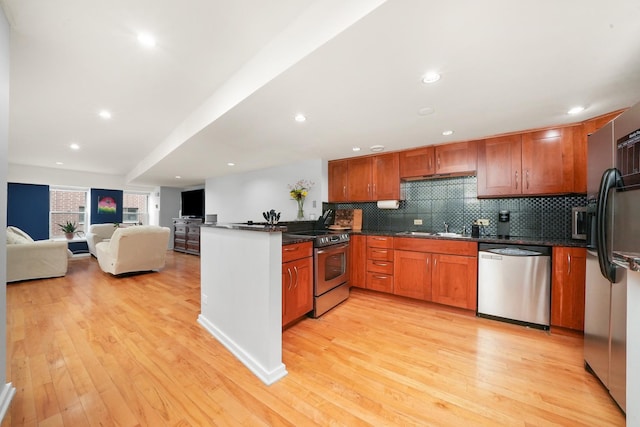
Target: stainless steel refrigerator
point(613, 205)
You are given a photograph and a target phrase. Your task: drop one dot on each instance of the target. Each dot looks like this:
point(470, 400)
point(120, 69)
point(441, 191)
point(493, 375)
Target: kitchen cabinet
point(448, 159)
point(358, 261)
point(417, 163)
point(186, 235)
point(442, 271)
point(380, 263)
point(364, 179)
point(568, 287)
point(297, 281)
point(532, 163)
point(412, 274)
point(452, 159)
point(338, 178)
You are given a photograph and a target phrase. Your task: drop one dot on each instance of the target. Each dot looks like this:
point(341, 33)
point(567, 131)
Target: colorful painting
point(106, 205)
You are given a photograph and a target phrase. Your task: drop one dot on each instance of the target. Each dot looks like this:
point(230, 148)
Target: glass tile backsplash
point(454, 201)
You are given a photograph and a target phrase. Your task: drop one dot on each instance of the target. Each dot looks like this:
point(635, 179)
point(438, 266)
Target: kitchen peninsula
point(241, 294)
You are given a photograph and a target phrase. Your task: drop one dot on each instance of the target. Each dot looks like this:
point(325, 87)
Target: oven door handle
point(332, 248)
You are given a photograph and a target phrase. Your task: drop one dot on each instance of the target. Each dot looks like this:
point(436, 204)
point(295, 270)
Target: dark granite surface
point(247, 227)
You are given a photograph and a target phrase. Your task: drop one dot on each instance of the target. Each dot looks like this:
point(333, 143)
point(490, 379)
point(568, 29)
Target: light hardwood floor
point(90, 349)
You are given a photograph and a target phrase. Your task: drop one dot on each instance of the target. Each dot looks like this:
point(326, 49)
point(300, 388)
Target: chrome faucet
point(446, 227)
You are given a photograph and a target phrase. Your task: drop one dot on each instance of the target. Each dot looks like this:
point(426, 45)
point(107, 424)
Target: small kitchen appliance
point(504, 224)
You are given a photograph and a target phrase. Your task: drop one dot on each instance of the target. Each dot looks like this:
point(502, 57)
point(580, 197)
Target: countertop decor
point(299, 192)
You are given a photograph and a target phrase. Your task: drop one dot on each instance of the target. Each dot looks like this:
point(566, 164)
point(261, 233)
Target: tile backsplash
point(455, 201)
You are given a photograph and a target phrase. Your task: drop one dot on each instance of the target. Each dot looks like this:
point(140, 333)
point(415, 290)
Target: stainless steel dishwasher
point(514, 283)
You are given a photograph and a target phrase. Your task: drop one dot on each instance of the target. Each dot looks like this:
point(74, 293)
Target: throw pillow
point(15, 236)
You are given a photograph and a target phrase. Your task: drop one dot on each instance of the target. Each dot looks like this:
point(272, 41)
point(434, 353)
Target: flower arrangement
point(298, 192)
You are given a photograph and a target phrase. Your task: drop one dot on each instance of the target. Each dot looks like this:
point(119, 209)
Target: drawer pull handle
point(381, 277)
point(292, 249)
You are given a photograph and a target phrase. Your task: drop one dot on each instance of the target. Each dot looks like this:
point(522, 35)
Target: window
point(134, 208)
point(67, 205)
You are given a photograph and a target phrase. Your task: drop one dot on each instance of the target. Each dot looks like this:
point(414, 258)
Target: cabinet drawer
point(193, 246)
point(382, 254)
point(380, 282)
point(179, 244)
point(380, 241)
point(194, 230)
point(180, 229)
point(377, 266)
point(296, 251)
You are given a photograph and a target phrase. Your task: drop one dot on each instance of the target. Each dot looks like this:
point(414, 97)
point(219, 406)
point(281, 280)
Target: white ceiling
point(227, 77)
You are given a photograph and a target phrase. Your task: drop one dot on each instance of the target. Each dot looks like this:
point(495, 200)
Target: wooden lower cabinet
point(297, 282)
point(454, 281)
point(412, 274)
point(358, 261)
point(568, 287)
point(379, 263)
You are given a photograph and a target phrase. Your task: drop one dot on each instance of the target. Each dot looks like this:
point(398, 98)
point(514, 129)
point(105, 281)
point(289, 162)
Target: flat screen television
point(193, 203)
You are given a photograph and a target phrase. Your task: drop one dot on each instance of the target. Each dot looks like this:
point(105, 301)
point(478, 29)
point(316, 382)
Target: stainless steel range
point(331, 269)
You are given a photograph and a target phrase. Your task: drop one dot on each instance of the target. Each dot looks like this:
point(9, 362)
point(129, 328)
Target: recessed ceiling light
point(104, 114)
point(74, 146)
point(376, 148)
point(231, 164)
point(447, 132)
point(356, 148)
point(59, 163)
point(300, 117)
point(431, 77)
point(146, 40)
point(425, 111)
point(576, 110)
point(178, 177)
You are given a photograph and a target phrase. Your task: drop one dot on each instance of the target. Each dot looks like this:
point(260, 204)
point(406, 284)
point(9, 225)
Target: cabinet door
point(453, 281)
point(359, 182)
point(500, 166)
point(358, 261)
point(417, 163)
point(338, 180)
point(456, 158)
point(297, 289)
point(386, 177)
point(568, 287)
point(412, 274)
point(547, 161)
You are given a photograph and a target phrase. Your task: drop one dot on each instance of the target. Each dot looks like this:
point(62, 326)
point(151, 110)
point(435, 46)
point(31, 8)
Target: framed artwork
point(107, 205)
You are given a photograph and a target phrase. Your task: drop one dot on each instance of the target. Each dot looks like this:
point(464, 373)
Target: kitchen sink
point(427, 234)
point(450, 235)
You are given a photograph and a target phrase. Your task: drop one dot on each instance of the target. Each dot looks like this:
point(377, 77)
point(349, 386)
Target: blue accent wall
point(101, 217)
point(28, 209)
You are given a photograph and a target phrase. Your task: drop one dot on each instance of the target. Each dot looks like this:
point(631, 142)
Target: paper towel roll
point(388, 204)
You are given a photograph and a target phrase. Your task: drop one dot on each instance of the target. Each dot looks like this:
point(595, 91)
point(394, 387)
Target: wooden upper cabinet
point(500, 166)
point(359, 188)
point(456, 158)
point(338, 181)
point(385, 177)
point(417, 163)
point(547, 161)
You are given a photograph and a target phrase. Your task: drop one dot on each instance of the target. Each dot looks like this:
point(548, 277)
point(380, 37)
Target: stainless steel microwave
point(579, 223)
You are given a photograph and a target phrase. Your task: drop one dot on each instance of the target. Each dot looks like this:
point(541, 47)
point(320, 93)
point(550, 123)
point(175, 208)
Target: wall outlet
point(205, 299)
point(482, 222)
point(417, 222)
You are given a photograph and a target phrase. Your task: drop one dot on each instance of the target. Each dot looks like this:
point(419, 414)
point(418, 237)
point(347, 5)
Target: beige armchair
point(99, 233)
point(138, 248)
point(28, 259)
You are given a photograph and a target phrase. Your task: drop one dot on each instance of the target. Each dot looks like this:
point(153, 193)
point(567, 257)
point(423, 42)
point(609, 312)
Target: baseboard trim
point(6, 395)
point(266, 376)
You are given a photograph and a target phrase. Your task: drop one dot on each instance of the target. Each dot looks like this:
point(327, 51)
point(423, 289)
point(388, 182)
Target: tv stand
point(186, 235)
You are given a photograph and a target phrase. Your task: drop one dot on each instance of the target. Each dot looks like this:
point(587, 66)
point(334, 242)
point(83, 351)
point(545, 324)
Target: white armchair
point(28, 259)
point(139, 248)
point(99, 233)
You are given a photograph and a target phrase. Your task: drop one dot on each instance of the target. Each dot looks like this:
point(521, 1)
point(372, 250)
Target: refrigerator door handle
point(610, 180)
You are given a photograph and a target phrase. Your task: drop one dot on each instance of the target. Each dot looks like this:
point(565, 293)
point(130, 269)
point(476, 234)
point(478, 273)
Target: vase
point(69, 236)
point(300, 216)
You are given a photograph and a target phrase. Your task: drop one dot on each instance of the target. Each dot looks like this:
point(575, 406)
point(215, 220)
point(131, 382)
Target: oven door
point(332, 266)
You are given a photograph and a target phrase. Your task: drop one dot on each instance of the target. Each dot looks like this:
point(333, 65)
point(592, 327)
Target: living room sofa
point(28, 259)
point(99, 233)
point(133, 249)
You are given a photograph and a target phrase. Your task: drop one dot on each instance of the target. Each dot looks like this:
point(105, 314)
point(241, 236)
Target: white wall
point(8, 391)
point(243, 197)
point(61, 177)
point(169, 208)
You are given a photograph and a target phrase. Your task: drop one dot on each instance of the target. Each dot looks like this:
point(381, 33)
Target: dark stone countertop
point(245, 227)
